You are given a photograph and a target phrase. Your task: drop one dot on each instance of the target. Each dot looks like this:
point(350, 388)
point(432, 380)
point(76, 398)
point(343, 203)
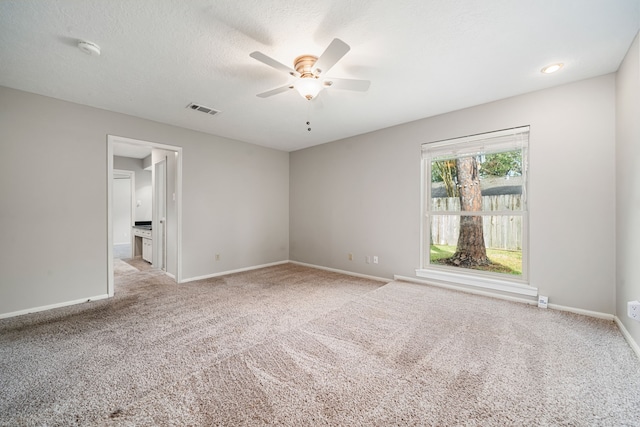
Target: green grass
point(508, 262)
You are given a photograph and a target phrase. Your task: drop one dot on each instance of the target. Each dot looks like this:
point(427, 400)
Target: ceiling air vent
point(202, 108)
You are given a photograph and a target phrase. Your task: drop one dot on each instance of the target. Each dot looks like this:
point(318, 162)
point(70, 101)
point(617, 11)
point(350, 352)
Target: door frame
point(159, 231)
point(111, 141)
point(132, 192)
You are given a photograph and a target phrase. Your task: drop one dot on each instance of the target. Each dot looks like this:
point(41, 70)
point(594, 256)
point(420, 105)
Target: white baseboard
point(335, 270)
point(240, 270)
point(589, 313)
point(191, 279)
point(52, 306)
point(627, 336)
point(256, 267)
point(558, 307)
point(462, 289)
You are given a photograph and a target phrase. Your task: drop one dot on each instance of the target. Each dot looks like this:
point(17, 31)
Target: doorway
point(166, 168)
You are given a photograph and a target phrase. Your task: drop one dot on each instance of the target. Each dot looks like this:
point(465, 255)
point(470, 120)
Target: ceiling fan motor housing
point(304, 65)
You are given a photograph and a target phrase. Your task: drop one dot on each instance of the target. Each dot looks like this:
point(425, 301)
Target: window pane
point(499, 237)
point(496, 178)
point(475, 205)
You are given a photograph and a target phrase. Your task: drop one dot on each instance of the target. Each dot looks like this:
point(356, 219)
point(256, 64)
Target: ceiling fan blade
point(273, 63)
point(334, 52)
point(274, 91)
point(348, 84)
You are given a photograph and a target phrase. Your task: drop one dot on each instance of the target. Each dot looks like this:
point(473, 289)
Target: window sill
point(478, 281)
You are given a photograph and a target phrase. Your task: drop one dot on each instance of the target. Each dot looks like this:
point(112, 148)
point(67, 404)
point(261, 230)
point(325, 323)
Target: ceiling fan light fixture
point(309, 72)
point(308, 87)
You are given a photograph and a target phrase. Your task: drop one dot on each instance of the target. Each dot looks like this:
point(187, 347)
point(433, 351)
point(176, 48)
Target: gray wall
point(143, 185)
point(54, 242)
point(628, 187)
point(359, 195)
point(362, 194)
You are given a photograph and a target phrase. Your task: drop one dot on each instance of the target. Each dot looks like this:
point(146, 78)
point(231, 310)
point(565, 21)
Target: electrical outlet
point(633, 310)
point(375, 259)
point(350, 256)
point(543, 301)
point(217, 257)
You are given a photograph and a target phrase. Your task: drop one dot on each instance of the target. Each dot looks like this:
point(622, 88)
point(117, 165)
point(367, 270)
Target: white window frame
point(491, 142)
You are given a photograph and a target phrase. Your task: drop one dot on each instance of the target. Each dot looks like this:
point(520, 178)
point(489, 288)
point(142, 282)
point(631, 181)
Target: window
point(475, 213)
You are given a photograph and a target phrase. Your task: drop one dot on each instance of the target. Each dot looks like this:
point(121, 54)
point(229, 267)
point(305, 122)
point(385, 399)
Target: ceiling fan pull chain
point(308, 123)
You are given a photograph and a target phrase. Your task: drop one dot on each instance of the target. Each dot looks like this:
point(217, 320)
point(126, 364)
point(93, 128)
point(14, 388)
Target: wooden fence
point(500, 231)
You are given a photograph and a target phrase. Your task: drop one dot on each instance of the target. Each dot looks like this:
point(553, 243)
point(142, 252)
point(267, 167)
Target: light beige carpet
point(120, 267)
point(138, 263)
point(290, 345)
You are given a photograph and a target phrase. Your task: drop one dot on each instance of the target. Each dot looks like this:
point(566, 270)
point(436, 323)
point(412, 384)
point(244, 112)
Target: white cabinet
point(147, 250)
point(141, 232)
point(143, 244)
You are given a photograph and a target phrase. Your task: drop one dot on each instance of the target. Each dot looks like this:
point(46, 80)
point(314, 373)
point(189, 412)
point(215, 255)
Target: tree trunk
point(471, 250)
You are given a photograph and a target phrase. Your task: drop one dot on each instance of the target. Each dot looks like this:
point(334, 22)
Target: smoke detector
point(89, 48)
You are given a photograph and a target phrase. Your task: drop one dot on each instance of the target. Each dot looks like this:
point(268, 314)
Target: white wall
point(628, 187)
point(54, 243)
point(362, 194)
point(143, 185)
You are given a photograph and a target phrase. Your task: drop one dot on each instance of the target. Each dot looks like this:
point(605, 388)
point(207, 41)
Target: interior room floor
point(290, 345)
point(122, 251)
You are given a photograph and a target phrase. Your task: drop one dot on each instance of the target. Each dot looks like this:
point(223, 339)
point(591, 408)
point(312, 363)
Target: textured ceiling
point(423, 57)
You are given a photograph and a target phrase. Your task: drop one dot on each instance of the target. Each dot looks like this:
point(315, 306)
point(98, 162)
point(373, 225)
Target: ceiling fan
point(310, 72)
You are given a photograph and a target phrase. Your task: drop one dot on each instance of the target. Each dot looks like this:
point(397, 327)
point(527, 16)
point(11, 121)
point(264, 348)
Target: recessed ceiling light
point(89, 48)
point(552, 68)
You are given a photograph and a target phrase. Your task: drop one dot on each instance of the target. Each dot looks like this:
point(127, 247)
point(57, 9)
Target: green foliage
point(438, 168)
point(508, 163)
point(502, 164)
point(445, 171)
